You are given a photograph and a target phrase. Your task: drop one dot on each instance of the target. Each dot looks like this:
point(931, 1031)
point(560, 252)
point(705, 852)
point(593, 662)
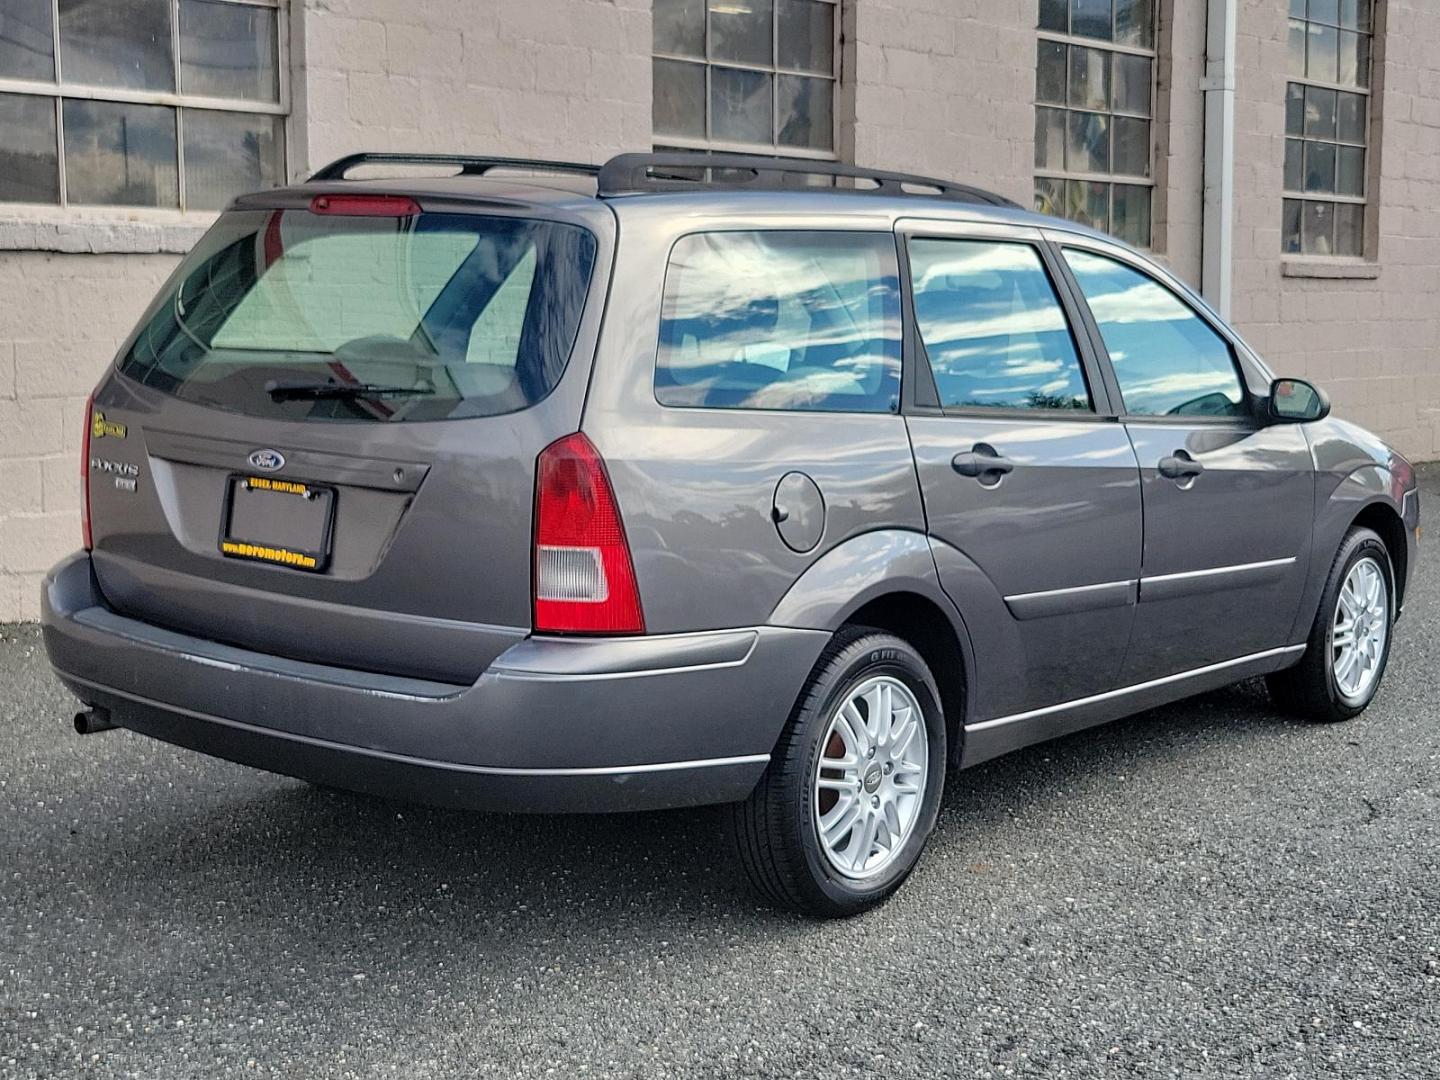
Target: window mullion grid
point(179, 113)
point(59, 104)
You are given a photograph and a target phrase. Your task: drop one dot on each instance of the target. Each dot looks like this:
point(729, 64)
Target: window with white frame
point(172, 104)
point(756, 76)
point(1094, 103)
point(1327, 111)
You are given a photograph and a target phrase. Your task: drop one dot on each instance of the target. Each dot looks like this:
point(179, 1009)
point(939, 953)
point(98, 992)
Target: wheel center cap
point(872, 779)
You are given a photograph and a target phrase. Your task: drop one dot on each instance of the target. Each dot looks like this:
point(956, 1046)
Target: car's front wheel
point(853, 788)
point(1349, 643)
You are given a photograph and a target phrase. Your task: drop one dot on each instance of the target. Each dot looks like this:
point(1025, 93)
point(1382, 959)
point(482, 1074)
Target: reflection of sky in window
point(781, 319)
point(1168, 361)
point(992, 326)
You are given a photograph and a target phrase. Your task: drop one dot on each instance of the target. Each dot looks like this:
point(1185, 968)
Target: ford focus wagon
point(700, 479)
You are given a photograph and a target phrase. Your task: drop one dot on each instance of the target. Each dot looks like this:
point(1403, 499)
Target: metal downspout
point(1218, 235)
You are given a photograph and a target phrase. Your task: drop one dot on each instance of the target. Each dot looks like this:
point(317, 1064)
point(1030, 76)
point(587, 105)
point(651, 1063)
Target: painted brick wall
point(1374, 344)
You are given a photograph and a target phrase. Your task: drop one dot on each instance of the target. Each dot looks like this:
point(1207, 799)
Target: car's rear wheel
point(844, 809)
point(1349, 643)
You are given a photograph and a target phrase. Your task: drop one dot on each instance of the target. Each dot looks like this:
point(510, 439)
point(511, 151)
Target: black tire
point(774, 830)
point(1310, 690)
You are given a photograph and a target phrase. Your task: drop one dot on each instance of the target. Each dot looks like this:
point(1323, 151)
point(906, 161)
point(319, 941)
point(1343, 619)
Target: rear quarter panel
point(696, 486)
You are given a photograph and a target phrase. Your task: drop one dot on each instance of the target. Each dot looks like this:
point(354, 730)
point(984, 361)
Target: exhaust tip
point(93, 720)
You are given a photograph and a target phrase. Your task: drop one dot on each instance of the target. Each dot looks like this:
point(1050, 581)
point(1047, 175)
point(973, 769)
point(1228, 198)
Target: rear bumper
point(554, 725)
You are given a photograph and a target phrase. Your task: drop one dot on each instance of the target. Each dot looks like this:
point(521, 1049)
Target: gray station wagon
point(700, 479)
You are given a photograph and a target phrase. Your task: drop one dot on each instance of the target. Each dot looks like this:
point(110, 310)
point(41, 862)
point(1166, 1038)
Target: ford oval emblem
point(268, 460)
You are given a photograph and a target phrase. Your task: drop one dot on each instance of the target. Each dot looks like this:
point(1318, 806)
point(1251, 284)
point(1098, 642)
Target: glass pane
point(228, 50)
point(1355, 14)
point(1089, 144)
point(1290, 230)
point(804, 111)
point(1325, 10)
point(1055, 15)
point(1088, 203)
point(739, 105)
point(678, 27)
point(1352, 118)
point(1089, 78)
point(1294, 165)
point(227, 154)
point(1294, 109)
point(679, 105)
point(1319, 113)
point(1169, 362)
point(1317, 228)
point(1295, 64)
point(1132, 84)
point(807, 36)
point(1324, 56)
point(1350, 68)
point(1050, 73)
point(1050, 196)
point(1091, 18)
point(27, 50)
point(993, 327)
point(1297, 9)
point(781, 320)
point(1349, 229)
point(740, 30)
point(1362, 62)
point(1350, 179)
point(1320, 167)
point(1050, 138)
point(1132, 214)
point(29, 164)
point(120, 155)
point(1132, 147)
point(122, 43)
point(1135, 23)
point(300, 287)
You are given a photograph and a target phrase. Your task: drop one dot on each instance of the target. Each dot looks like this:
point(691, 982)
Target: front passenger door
point(1228, 499)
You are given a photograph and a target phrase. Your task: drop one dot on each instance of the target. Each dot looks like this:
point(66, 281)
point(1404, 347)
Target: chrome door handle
point(982, 461)
point(1179, 466)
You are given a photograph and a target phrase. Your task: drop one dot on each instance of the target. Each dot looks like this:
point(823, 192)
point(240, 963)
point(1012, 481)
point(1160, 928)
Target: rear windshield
point(297, 315)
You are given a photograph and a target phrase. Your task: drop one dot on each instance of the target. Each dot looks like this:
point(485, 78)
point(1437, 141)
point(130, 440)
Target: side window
point(993, 327)
point(1168, 360)
point(781, 320)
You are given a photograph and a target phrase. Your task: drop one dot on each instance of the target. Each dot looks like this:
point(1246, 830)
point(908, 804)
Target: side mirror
point(1295, 401)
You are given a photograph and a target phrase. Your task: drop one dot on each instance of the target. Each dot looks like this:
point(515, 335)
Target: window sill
point(1332, 269)
point(101, 231)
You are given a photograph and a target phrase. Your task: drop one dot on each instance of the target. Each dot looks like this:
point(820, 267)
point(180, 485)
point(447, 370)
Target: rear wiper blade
point(324, 390)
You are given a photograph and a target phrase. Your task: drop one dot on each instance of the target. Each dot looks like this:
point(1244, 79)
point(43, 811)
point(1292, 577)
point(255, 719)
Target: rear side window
point(781, 320)
point(993, 327)
point(299, 315)
point(1167, 359)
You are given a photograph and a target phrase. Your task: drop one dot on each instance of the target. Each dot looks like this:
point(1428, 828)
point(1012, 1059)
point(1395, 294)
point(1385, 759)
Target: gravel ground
point(1204, 890)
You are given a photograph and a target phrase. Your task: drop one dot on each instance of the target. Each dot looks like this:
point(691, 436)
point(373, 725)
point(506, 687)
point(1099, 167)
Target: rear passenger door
point(1031, 489)
point(1228, 498)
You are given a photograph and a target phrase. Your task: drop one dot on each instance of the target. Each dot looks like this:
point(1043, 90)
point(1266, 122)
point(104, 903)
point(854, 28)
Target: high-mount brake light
point(584, 579)
point(397, 206)
point(86, 536)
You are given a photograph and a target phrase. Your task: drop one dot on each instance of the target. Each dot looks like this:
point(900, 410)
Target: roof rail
point(634, 174)
point(469, 165)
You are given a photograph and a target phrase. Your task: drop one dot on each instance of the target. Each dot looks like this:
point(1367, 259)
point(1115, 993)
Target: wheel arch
point(888, 579)
point(1381, 518)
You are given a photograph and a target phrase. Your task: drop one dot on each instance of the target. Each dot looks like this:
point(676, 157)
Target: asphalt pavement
point(1204, 890)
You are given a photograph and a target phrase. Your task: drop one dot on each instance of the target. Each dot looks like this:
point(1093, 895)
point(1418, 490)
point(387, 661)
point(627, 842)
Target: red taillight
point(365, 205)
point(584, 579)
point(85, 536)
